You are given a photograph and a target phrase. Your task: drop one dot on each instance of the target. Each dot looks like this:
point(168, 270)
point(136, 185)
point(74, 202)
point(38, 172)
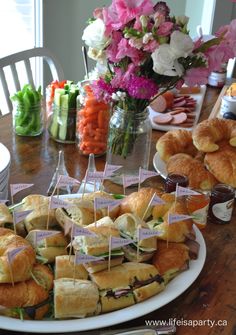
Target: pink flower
point(165, 29)
point(151, 46)
point(112, 50)
point(102, 90)
point(196, 76)
point(126, 50)
point(129, 9)
point(98, 13)
point(142, 88)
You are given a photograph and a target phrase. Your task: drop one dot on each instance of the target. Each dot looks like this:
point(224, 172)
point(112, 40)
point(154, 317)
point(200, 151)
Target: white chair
point(24, 58)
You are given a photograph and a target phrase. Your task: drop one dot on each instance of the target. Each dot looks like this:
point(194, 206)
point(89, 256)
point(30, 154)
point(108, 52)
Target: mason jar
point(28, 119)
point(129, 141)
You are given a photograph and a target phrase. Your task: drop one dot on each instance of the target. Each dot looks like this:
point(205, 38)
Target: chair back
point(24, 58)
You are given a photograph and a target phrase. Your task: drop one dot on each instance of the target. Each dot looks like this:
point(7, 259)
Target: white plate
point(5, 157)
point(160, 165)
point(199, 101)
point(172, 291)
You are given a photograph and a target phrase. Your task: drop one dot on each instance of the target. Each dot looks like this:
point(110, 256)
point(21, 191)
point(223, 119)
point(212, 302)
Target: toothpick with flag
point(64, 181)
point(19, 216)
point(181, 191)
point(155, 200)
point(145, 174)
point(10, 257)
point(115, 243)
point(129, 180)
point(15, 188)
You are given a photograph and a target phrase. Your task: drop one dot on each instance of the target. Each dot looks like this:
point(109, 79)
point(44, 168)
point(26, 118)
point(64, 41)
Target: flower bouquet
point(147, 52)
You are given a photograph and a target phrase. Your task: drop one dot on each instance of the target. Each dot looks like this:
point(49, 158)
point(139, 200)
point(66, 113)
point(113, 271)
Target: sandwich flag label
point(42, 234)
point(110, 169)
point(130, 180)
point(172, 218)
point(145, 174)
point(144, 233)
point(83, 258)
point(15, 188)
point(94, 176)
point(12, 253)
point(104, 203)
point(19, 216)
point(116, 242)
point(64, 181)
point(80, 231)
point(156, 201)
point(59, 203)
point(180, 191)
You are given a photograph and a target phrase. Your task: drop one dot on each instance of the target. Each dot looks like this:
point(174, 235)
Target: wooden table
point(211, 297)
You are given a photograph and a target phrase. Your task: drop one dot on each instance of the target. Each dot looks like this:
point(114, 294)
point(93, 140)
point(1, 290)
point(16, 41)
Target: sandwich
point(171, 259)
point(127, 284)
point(98, 245)
point(28, 299)
point(6, 221)
point(128, 225)
point(65, 268)
point(48, 248)
point(178, 231)
point(75, 298)
point(40, 214)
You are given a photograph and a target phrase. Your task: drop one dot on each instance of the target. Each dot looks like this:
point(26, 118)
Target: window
point(20, 30)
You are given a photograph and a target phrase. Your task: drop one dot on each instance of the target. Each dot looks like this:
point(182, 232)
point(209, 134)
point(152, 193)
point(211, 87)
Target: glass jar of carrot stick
point(92, 122)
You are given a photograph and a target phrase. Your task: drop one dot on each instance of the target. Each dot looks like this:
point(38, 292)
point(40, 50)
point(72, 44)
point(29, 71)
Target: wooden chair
point(24, 57)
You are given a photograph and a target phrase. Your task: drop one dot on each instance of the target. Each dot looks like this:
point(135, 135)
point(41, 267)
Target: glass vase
point(129, 142)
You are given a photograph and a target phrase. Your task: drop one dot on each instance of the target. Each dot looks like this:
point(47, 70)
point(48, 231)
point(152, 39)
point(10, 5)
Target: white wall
point(194, 11)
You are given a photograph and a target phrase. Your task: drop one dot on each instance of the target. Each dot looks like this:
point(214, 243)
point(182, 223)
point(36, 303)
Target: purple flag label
point(114, 204)
point(180, 191)
point(64, 181)
point(19, 216)
point(94, 176)
point(80, 231)
point(117, 242)
point(130, 180)
point(104, 202)
point(42, 234)
point(110, 169)
point(12, 253)
point(145, 174)
point(59, 203)
point(144, 233)
point(172, 218)
point(15, 188)
point(157, 201)
point(82, 258)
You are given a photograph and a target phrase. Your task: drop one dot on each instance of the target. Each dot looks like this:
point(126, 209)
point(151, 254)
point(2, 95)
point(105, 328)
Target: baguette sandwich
point(98, 245)
point(126, 284)
point(128, 225)
point(65, 268)
point(47, 249)
point(75, 298)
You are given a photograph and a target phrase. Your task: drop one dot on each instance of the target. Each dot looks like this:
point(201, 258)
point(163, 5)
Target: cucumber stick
point(57, 102)
point(63, 116)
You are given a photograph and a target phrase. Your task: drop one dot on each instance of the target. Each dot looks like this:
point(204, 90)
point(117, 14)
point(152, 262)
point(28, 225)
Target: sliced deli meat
point(178, 118)
point(163, 118)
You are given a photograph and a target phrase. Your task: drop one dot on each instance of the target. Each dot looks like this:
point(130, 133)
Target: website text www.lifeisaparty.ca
point(187, 323)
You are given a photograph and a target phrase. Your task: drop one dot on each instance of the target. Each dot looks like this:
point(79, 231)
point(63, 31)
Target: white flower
point(97, 54)
point(136, 42)
point(118, 96)
point(182, 19)
point(94, 35)
point(181, 44)
point(147, 38)
point(165, 62)
point(163, 59)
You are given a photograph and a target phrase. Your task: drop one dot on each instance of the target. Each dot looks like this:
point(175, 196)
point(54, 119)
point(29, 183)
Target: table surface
point(213, 294)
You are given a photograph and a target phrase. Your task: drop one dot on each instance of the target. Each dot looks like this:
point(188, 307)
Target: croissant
point(225, 172)
point(199, 177)
point(175, 141)
point(209, 132)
